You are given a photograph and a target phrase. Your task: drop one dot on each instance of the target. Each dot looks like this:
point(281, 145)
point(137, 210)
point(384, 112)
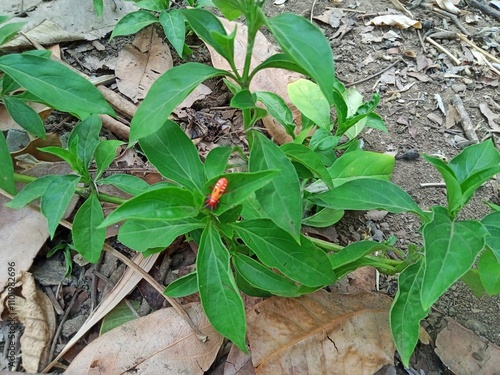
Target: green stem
point(82, 191)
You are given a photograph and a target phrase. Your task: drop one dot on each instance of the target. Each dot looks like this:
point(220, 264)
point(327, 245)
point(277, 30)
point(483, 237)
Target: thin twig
point(453, 18)
point(466, 122)
point(312, 10)
point(482, 51)
point(444, 50)
point(421, 40)
point(374, 75)
point(432, 184)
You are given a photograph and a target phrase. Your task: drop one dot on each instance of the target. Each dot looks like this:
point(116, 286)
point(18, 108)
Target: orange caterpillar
point(214, 197)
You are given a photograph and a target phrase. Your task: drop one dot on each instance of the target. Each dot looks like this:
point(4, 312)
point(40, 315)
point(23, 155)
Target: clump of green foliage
point(252, 240)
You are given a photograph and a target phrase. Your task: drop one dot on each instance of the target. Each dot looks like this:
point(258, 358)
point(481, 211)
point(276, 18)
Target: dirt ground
point(415, 90)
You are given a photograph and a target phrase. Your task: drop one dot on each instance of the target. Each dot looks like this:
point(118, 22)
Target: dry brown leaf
point(490, 116)
point(273, 80)
point(34, 310)
point(159, 343)
point(128, 282)
point(238, 363)
point(469, 354)
point(22, 234)
point(321, 333)
point(398, 20)
point(448, 6)
point(141, 63)
point(51, 139)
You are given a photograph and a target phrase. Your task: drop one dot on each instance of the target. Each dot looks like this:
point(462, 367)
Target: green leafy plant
point(251, 240)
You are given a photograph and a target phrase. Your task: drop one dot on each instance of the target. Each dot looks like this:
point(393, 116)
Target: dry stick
point(473, 45)
point(177, 307)
point(373, 75)
point(444, 50)
point(453, 18)
point(118, 102)
point(485, 8)
point(432, 184)
point(469, 131)
point(421, 41)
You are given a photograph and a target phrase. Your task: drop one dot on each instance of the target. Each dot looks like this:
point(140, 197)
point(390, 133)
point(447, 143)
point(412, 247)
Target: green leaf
point(142, 235)
point(8, 84)
point(87, 133)
point(473, 182)
point(98, 7)
point(306, 45)
point(492, 224)
point(450, 251)
point(24, 115)
point(56, 198)
point(154, 5)
point(208, 27)
point(247, 288)
point(31, 192)
point(473, 281)
point(263, 278)
point(168, 91)
point(361, 164)
point(216, 161)
point(473, 159)
point(489, 272)
point(453, 189)
point(170, 203)
point(340, 104)
point(219, 294)
point(323, 140)
point(66, 155)
point(368, 194)
point(311, 102)
point(9, 31)
point(305, 156)
point(55, 84)
point(133, 22)
point(240, 186)
point(129, 184)
point(119, 315)
point(175, 29)
point(323, 218)
point(183, 286)
point(277, 107)
point(87, 237)
point(302, 262)
point(407, 312)
point(281, 61)
point(355, 251)
point(244, 99)
point(6, 168)
point(280, 198)
point(174, 155)
point(229, 8)
point(105, 153)
point(375, 121)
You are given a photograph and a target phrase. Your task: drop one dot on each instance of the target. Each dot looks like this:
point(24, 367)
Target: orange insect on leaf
point(214, 197)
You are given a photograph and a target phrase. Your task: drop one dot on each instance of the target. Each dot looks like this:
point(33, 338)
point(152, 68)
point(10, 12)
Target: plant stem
point(82, 191)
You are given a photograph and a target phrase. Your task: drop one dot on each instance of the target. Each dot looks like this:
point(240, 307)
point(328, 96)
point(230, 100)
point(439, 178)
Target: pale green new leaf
point(311, 102)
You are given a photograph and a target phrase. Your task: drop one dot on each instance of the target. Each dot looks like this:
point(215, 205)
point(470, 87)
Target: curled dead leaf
point(398, 20)
point(34, 311)
point(448, 6)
